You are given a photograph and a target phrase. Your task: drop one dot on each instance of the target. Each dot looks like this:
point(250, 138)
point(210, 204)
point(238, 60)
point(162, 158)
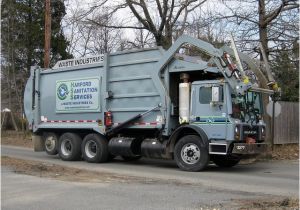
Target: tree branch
point(136, 14)
point(111, 26)
point(148, 17)
point(171, 11)
point(159, 8)
point(283, 7)
point(164, 15)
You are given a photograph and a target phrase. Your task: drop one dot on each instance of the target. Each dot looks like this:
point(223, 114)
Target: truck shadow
point(171, 165)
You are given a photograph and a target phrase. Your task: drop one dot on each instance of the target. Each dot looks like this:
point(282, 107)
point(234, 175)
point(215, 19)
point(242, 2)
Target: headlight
point(263, 133)
point(237, 133)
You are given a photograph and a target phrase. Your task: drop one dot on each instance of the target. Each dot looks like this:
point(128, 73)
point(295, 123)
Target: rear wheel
point(225, 161)
point(95, 148)
point(191, 154)
point(69, 146)
point(51, 143)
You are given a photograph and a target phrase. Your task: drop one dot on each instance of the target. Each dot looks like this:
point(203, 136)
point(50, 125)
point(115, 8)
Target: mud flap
point(38, 143)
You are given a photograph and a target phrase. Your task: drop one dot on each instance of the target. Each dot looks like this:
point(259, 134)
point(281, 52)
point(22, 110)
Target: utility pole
point(47, 33)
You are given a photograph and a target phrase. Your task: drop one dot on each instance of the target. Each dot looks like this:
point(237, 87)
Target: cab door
point(208, 109)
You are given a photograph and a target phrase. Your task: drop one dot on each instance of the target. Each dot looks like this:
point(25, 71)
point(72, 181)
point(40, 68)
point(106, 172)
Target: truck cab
point(225, 117)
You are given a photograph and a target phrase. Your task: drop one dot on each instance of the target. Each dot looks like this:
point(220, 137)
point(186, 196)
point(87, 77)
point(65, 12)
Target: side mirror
point(215, 94)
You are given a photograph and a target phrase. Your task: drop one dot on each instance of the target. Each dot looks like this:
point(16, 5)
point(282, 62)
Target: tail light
point(108, 118)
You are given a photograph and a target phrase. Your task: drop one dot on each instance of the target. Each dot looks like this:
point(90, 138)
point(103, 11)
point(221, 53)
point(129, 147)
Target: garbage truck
point(152, 103)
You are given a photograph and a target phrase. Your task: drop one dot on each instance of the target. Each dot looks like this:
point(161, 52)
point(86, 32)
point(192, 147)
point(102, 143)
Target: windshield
point(247, 108)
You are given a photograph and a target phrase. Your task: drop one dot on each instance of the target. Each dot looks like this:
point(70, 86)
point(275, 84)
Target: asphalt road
point(186, 190)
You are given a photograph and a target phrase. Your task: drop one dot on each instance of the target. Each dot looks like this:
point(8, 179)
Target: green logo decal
point(62, 91)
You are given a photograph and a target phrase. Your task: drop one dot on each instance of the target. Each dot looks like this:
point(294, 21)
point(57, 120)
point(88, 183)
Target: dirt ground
point(283, 152)
point(16, 139)
point(265, 203)
point(53, 171)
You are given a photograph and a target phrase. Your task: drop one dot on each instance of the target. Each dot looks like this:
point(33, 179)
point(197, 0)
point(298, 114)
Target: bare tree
point(143, 39)
point(158, 17)
point(104, 39)
point(275, 25)
point(90, 37)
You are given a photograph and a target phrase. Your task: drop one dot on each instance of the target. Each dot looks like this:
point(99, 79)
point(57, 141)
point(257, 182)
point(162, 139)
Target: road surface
point(214, 187)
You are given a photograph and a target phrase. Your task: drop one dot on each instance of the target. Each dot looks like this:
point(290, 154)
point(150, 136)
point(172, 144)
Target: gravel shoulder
point(197, 196)
point(64, 173)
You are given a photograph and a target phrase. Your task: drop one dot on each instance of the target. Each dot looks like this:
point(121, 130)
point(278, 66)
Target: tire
point(191, 154)
point(51, 143)
point(69, 147)
point(225, 161)
point(131, 158)
point(95, 148)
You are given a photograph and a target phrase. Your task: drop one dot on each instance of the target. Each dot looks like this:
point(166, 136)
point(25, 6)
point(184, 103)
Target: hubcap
point(90, 148)
point(66, 147)
point(50, 143)
point(190, 153)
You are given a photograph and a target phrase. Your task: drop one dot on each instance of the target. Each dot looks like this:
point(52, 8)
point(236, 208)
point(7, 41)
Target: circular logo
point(62, 91)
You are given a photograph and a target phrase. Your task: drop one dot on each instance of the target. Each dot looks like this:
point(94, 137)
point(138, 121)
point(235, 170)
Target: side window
point(205, 95)
point(206, 92)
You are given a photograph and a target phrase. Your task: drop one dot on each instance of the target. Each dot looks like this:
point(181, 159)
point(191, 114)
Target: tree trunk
point(158, 40)
point(14, 121)
point(11, 71)
point(29, 41)
point(263, 31)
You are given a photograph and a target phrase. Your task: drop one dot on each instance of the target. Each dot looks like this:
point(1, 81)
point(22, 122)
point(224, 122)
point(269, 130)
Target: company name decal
point(77, 95)
point(79, 61)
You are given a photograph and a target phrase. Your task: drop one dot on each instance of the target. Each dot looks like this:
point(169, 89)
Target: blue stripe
point(211, 120)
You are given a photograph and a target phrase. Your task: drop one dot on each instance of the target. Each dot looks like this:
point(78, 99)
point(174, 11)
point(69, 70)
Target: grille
point(250, 131)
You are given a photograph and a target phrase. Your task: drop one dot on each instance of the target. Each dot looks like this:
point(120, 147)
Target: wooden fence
point(286, 125)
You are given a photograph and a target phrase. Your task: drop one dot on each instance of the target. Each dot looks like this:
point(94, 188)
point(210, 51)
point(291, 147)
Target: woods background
point(89, 27)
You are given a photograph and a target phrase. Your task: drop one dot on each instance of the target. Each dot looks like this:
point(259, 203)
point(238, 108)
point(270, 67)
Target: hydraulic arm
point(234, 75)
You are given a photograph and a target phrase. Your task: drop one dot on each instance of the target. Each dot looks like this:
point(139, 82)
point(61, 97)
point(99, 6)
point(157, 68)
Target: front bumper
point(248, 149)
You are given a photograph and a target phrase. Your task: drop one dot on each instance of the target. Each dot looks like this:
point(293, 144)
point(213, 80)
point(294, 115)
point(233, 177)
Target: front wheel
point(191, 154)
point(225, 161)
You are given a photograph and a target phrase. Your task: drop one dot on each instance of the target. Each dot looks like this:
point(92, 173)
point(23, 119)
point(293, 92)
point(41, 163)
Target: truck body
point(152, 103)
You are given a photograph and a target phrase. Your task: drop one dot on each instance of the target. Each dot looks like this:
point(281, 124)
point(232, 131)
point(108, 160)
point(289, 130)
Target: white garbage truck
point(150, 103)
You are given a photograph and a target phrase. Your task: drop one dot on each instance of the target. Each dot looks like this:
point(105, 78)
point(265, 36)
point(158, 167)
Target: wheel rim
point(50, 143)
point(66, 147)
point(90, 148)
point(190, 153)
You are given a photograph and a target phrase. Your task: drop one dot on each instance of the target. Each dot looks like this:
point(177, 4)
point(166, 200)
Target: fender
point(185, 130)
